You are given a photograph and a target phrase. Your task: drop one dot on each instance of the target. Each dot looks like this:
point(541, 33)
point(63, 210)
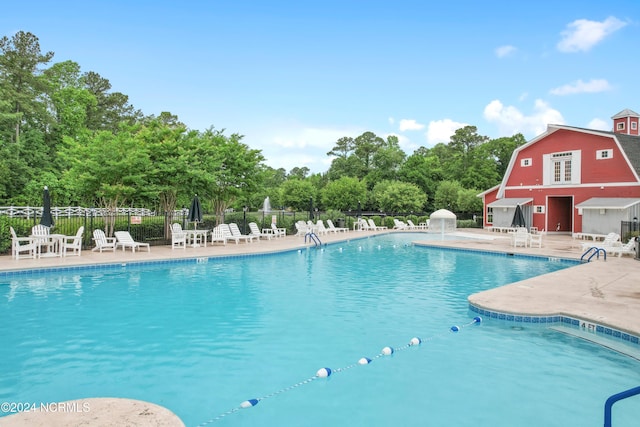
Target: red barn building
point(572, 180)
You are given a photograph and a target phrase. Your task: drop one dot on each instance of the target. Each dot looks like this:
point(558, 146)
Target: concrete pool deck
point(603, 292)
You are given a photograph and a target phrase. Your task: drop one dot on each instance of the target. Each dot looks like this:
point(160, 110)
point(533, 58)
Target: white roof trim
point(608, 203)
point(510, 203)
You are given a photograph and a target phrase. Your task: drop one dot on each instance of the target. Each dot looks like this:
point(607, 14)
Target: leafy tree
point(343, 148)
point(500, 150)
point(397, 196)
point(107, 170)
point(21, 80)
point(344, 193)
point(299, 173)
point(423, 169)
point(69, 101)
point(296, 193)
point(468, 200)
point(224, 168)
point(164, 139)
point(110, 108)
point(387, 161)
point(446, 196)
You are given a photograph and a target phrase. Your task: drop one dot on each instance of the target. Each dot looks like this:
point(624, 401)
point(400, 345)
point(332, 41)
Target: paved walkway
point(604, 292)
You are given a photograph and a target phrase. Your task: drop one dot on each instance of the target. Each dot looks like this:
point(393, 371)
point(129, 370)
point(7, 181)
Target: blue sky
point(293, 77)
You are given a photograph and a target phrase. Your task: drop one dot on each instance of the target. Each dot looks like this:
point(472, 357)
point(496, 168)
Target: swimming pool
point(201, 337)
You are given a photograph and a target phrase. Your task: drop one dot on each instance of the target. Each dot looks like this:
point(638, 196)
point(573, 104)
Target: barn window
point(561, 168)
point(525, 162)
point(604, 154)
point(620, 126)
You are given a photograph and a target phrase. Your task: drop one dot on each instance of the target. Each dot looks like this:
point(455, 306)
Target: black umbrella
point(47, 219)
point(195, 212)
point(518, 218)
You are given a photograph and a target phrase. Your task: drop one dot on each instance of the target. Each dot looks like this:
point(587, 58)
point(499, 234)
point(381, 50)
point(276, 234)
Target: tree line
point(67, 129)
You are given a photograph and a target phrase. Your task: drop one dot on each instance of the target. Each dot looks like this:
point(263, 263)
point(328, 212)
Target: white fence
point(74, 211)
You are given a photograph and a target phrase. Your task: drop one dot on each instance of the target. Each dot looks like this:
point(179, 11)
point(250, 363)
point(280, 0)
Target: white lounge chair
point(399, 225)
point(255, 231)
point(235, 232)
point(412, 226)
point(361, 224)
point(278, 231)
point(374, 227)
point(320, 228)
point(610, 240)
point(178, 236)
point(103, 243)
point(23, 245)
point(226, 232)
point(73, 244)
point(628, 248)
point(335, 229)
point(124, 239)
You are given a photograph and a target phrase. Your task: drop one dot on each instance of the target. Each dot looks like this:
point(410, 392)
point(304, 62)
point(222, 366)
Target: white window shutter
point(576, 163)
point(546, 169)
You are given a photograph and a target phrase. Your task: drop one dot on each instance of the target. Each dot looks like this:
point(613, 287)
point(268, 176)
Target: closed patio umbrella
point(518, 218)
point(195, 211)
point(46, 219)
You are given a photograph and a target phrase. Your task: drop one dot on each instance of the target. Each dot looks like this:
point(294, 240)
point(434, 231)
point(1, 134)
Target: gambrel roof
point(629, 144)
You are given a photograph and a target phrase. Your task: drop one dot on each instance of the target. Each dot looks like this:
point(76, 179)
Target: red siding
point(628, 125)
point(593, 171)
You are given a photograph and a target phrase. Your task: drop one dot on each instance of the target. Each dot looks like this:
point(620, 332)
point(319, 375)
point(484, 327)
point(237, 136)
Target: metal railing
point(613, 399)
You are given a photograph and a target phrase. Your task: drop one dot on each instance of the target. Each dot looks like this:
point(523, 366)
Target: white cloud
point(441, 130)
point(582, 34)
point(410, 124)
point(506, 50)
point(592, 86)
point(599, 124)
point(391, 120)
point(511, 121)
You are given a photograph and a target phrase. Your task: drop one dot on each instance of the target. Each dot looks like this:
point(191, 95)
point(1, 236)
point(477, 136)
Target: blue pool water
point(200, 338)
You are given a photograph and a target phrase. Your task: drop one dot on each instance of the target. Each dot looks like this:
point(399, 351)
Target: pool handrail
point(613, 399)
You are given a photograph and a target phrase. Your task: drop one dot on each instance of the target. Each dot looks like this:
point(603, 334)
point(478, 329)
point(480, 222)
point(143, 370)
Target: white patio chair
point(217, 235)
point(103, 243)
point(178, 236)
point(73, 244)
point(23, 245)
point(41, 234)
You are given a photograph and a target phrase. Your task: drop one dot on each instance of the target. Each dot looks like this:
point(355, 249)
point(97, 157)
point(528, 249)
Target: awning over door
point(510, 203)
point(608, 203)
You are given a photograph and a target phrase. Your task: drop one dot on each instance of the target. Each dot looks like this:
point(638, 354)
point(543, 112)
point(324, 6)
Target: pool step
point(610, 343)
